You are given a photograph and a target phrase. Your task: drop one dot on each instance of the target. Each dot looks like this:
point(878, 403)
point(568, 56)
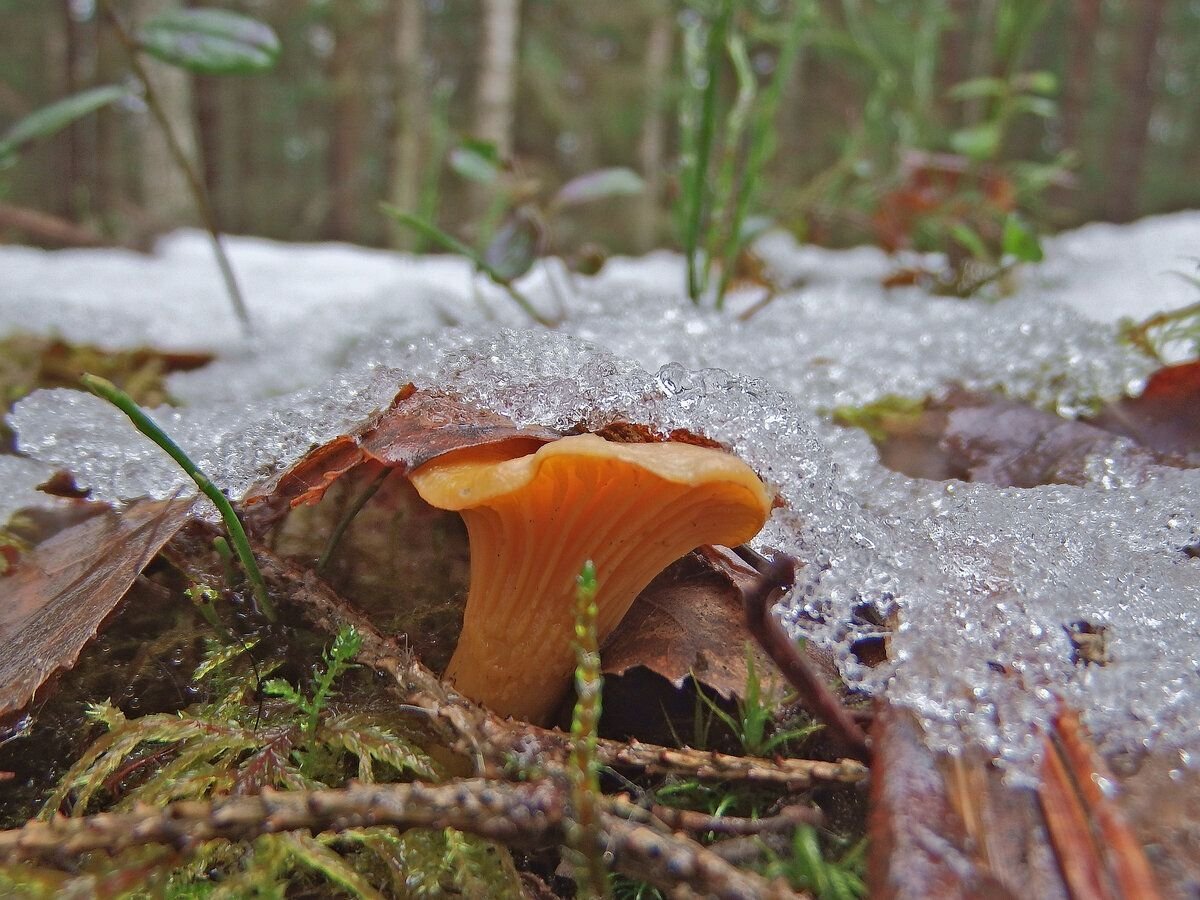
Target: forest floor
point(986, 528)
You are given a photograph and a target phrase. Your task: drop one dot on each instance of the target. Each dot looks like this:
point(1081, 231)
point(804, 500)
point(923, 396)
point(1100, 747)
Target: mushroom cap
point(535, 519)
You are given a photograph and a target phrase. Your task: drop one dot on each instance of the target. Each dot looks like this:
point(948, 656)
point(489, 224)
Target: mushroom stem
point(534, 520)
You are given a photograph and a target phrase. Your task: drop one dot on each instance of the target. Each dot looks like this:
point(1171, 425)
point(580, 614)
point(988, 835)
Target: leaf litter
point(973, 584)
point(982, 576)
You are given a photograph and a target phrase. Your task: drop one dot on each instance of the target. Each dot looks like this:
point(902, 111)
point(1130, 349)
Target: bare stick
point(525, 815)
point(815, 695)
point(195, 185)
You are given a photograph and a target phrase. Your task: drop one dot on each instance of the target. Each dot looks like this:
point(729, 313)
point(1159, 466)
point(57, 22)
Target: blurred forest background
point(1071, 111)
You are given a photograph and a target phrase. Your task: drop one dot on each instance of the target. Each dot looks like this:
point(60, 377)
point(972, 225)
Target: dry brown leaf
point(688, 622)
point(420, 425)
point(1166, 417)
point(982, 437)
point(63, 589)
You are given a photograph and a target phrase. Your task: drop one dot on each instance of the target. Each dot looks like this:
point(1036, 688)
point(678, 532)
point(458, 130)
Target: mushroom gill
point(534, 520)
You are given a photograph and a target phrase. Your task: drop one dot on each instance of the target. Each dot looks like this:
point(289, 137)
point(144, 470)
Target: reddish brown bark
point(1130, 139)
point(1081, 39)
point(345, 135)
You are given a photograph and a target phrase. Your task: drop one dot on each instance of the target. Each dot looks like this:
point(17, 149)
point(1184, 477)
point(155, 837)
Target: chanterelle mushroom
point(535, 519)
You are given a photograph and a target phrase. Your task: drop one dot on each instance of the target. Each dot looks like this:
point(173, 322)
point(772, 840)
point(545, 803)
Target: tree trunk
point(412, 114)
point(346, 133)
point(656, 65)
point(164, 190)
point(1132, 136)
point(1081, 39)
point(71, 150)
point(496, 90)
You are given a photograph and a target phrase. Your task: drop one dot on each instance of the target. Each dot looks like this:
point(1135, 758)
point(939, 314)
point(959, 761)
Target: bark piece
point(950, 827)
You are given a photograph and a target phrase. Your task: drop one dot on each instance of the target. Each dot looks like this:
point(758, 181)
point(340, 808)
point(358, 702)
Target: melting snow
point(981, 580)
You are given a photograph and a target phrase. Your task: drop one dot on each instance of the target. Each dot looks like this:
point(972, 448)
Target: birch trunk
point(412, 113)
point(496, 89)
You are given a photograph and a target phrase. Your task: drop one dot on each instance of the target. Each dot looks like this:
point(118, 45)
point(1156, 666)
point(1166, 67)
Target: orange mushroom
point(533, 520)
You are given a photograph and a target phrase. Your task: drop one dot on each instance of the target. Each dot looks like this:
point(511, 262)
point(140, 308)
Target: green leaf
point(210, 41)
point(598, 185)
point(278, 687)
point(1038, 82)
point(49, 119)
point(1020, 240)
point(969, 238)
point(1039, 106)
point(476, 161)
point(979, 142)
point(976, 88)
point(515, 248)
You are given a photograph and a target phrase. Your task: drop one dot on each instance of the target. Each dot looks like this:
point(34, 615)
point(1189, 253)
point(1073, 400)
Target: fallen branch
point(528, 815)
point(525, 815)
point(47, 229)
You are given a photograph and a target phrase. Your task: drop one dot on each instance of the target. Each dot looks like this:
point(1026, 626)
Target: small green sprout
point(338, 658)
point(590, 873)
point(756, 712)
point(106, 390)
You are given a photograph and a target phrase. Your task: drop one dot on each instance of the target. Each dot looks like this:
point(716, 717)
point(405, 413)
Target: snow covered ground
point(983, 579)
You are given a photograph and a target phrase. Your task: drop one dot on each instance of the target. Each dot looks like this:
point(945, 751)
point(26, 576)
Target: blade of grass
point(106, 390)
point(704, 46)
point(763, 140)
point(721, 233)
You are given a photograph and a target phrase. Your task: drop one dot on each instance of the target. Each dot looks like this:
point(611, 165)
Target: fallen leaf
point(1165, 417)
point(419, 426)
point(688, 622)
point(63, 589)
point(973, 436)
point(28, 362)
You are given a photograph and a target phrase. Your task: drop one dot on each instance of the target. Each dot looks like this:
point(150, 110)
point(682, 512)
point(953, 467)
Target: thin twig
point(524, 815)
point(815, 695)
point(695, 822)
point(175, 148)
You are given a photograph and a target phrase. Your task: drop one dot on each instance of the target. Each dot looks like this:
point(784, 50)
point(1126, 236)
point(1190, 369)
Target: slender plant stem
point(702, 139)
point(105, 389)
point(767, 630)
point(195, 185)
point(583, 830)
point(339, 530)
point(432, 233)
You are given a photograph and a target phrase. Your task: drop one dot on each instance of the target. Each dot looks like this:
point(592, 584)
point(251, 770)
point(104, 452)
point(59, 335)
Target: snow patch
point(980, 582)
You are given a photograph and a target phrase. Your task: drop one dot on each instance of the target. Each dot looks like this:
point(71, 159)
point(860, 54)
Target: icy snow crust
point(979, 581)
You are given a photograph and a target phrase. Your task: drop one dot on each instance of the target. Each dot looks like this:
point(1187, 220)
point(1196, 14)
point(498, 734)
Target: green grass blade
point(105, 389)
